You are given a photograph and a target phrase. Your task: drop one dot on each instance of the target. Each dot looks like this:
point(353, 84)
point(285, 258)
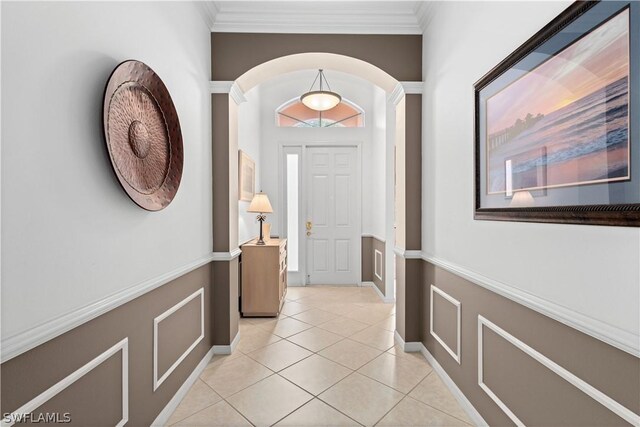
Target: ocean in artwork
point(566, 123)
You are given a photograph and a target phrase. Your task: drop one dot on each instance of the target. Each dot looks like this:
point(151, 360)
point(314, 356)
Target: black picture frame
point(618, 214)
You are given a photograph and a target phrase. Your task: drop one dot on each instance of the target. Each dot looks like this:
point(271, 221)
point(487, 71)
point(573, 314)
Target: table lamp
point(260, 205)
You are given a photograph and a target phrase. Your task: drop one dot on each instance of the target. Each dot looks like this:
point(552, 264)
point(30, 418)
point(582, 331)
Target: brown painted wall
point(96, 398)
point(220, 160)
point(233, 54)
point(369, 246)
point(367, 259)
point(225, 301)
point(535, 394)
point(409, 306)
point(378, 245)
point(413, 172)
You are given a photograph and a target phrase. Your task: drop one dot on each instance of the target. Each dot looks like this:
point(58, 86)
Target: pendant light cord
point(322, 77)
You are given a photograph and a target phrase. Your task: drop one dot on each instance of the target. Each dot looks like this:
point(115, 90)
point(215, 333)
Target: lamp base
point(260, 241)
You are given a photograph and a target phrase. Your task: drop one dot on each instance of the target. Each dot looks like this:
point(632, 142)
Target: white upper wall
point(249, 136)
point(70, 234)
point(590, 271)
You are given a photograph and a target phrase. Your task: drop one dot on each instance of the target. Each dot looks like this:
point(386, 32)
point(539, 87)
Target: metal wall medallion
point(143, 135)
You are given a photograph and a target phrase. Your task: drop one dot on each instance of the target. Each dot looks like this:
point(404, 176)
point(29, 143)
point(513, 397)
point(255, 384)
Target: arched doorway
point(228, 94)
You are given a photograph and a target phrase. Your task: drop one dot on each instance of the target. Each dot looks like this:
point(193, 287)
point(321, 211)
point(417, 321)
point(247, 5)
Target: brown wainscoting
point(533, 392)
point(96, 398)
point(377, 250)
point(409, 300)
point(367, 259)
point(226, 313)
point(370, 245)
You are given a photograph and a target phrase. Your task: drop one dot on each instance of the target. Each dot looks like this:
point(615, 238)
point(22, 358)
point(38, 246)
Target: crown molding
point(412, 88)
point(396, 96)
point(232, 88)
point(208, 10)
point(351, 17)
point(424, 11)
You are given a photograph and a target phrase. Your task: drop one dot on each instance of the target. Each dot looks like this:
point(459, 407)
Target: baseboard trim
point(165, 414)
point(380, 294)
point(611, 335)
point(407, 347)
point(466, 405)
point(227, 349)
point(24, 341)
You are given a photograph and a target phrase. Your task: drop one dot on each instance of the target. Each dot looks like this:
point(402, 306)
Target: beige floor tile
point(361, 398)
point(279, 355)
point(363, 297)
point(350, 353)
point(289, 308)
point(253, 339)
point(396, 350)
point(315, 374)
point(433, 392)
point(263, 320)
point(285, 327)
point(315, 316)
point(224, 358)
point(339, 308)
point(403, 374)
point(343, 326)
point(199, 397)
point(375, 337)
point(232, 376)
point(220, 414)
point(410, 412)
point(367, 315)
point(388, 323)
point(317, 414)
point(315, 339)
point(297, 292)
point(270, 400)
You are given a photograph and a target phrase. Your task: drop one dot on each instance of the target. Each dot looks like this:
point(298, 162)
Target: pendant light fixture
point(320, 100)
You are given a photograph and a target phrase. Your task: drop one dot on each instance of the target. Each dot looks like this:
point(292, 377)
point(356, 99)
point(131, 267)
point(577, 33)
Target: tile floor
point(328, 360)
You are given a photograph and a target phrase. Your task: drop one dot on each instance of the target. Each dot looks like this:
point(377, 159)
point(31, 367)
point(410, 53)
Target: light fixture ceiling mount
point(320, 100)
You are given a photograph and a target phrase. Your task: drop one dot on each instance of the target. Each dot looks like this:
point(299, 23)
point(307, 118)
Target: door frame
point(302, 209)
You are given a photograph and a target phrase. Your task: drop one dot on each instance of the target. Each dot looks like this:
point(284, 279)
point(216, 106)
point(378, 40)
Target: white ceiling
point(333, 17)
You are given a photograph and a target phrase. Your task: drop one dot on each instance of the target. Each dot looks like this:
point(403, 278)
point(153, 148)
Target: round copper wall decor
point(143, 135)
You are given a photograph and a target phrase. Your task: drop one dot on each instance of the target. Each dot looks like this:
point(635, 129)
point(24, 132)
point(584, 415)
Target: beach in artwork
point(574, 108)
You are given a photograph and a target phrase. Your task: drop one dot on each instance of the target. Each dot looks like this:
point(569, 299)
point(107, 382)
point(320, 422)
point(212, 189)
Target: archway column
point(250, 59)
point(225, 99)
point(408, 211)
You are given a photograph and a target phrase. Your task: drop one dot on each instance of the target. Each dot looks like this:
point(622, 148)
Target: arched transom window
point(295, 114)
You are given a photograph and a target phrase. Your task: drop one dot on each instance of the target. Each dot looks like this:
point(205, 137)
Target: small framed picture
point(246, 177)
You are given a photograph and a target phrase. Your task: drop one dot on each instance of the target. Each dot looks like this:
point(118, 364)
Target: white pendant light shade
point(320, 100)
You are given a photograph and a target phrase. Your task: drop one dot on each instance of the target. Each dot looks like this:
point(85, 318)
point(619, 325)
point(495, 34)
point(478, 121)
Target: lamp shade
point(260, 204)
point(522, 199)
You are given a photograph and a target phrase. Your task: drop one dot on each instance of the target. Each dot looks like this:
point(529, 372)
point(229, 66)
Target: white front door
point(333, 216)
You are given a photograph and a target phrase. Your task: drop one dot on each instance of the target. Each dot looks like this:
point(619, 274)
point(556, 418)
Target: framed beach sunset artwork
point(556, 123)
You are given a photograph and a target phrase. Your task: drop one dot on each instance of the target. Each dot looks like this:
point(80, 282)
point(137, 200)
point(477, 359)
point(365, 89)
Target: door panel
point(333, 211)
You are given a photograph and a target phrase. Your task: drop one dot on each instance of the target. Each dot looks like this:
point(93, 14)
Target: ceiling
point(322, 17)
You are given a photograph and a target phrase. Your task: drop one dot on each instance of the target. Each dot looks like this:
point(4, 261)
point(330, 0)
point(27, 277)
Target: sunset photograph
point(575, 105)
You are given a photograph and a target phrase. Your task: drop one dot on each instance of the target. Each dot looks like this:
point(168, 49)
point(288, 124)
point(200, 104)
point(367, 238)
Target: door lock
point(309, 227)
